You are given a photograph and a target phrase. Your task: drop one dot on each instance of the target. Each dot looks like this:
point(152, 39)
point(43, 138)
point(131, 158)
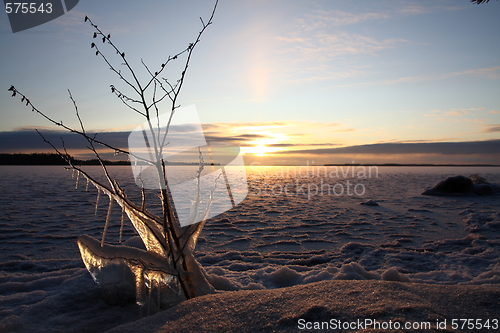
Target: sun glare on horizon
point(260, 150)
point(268, 143)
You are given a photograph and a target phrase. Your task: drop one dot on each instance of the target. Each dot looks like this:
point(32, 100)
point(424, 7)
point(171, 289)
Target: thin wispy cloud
point(346, 130)
point(489, 73)
point(328, 75)
point(492, 128)
point(324, 46)
point(452, 113)
point(321, 42)
point(311, 50)
point(313, 56)
point(244, 125)
point(414, 10)
point(72, 19)
point(321, 19)
point(468, 120)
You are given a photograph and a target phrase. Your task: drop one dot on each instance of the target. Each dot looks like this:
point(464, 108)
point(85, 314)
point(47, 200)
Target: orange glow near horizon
point(264, 146)
point(258, 150)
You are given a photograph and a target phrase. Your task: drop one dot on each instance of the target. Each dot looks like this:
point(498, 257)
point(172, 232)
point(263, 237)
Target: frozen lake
point(297, 225)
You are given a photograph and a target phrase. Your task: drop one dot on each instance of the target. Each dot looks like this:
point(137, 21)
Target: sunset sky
point(291, 82)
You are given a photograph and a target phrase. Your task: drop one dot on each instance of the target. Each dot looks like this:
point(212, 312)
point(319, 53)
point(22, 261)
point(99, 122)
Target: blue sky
point(290, 75)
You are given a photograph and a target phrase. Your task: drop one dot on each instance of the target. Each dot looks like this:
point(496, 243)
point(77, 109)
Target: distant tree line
point(56, 159)
point(49, 159)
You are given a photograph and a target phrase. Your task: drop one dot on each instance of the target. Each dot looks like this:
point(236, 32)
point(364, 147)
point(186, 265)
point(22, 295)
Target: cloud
point(244, 125)
point(328, 75)
point(275, 135)
point(311, 57)
point(291, 152)
point(73, 18)
point(417, 9)
point(31, 141)
point(320, 37)
point(308, 50)
point(294, 145)
point(184, 128)
point(470, 153)
point(323, 46)
point(441, 148)
point(346, 130)
point(453, 112)
point(239, 139)
point(313, 38)
point(414, 10)
point(492, 128)
point(298, 127)
point(489, 73)
point(418, 141)
point(471, 117)
point(322, 19)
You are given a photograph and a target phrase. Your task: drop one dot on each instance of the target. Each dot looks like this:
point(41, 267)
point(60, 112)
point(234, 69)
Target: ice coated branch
point(24, 99)
point(169, 266)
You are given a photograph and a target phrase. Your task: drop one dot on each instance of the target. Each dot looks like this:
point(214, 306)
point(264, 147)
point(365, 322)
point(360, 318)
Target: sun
point(260, 150)
point(266, 144)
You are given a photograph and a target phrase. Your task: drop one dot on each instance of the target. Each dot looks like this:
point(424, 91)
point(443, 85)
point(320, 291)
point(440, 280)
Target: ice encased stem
point(167, 271)
point(125, 273)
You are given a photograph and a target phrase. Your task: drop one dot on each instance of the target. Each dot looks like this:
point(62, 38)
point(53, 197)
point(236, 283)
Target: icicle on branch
point(108, 217)
point(77, 179)
point(122, 222)
point(97, 200)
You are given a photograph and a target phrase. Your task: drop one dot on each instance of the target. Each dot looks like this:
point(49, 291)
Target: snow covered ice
point(269, 241)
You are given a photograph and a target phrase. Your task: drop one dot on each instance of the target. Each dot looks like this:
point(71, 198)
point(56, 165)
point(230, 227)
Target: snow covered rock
point(458, 185)
point(369, 203)
point(461, 185)
point(483, 187)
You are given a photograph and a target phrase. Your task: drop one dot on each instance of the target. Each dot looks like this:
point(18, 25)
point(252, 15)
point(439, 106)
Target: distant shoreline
point(55, 159)
point(416, 165)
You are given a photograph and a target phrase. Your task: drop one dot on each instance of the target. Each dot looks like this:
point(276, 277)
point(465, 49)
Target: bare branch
point(163, 234)
point(69, 129)
point(124, 98)
point(480, 1)
point(107, 38)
